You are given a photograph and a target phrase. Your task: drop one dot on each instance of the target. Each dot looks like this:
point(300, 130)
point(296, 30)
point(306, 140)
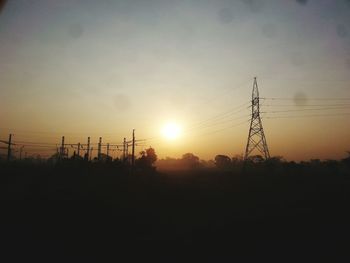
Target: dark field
point(77, 214)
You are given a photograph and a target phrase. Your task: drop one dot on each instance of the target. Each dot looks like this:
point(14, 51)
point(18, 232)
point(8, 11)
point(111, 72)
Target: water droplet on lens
point(75, 30)
point(342, 31)
point(225, 15)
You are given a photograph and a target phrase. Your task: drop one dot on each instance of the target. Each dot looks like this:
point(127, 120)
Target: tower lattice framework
point(256, 137)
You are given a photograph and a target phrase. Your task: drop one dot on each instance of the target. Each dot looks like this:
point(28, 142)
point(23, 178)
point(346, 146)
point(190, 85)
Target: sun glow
point(171, 131)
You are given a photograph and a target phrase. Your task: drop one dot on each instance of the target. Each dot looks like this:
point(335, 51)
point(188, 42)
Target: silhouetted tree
point(148, 158)
point(103, 158)
point(315, 162)
point(346, 160)
point(190, 160)
point(222, 161)
point(54, 158)
point(106, 158)
point(76, 157)
point(256, 159)
point(207, 164)
point(237, 159)
point(275, 161)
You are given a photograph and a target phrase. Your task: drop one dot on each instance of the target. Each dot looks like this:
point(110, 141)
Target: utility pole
point(88, 150)
point(127, 153)
point(133, 148)
point(62, 148)
point(256, 136)
point(9, 150)
point(99, 149)
point(124, 149)
point(79, 149)
point(107, 149)
point(20, 152)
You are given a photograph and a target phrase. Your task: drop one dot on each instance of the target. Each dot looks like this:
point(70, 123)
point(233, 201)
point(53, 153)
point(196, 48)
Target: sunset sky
point(101, 68)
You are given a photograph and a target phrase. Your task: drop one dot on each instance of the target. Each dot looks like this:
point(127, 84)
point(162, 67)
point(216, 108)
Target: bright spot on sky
point(171, 131)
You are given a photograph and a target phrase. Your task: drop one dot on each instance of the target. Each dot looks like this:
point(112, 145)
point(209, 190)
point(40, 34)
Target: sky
point(84, 68)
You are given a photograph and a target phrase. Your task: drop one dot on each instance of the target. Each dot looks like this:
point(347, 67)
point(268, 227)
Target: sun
point(171, 131)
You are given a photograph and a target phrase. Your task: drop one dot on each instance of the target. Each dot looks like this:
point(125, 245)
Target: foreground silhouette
point(98, 211)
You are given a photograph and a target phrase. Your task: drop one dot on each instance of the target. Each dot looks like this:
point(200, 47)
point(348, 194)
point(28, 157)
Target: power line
point(306, 99)
point(202, 123)
point(55, 133)
point(215, 119)
point(314, 109)
point(307, 116)
point(154, 139)
point(44, 149)
point(34, 143)
point(226, 128)
point(218, 123)
point(36, 146)
point(227, 90)
point(220, 116)
point(307, 105)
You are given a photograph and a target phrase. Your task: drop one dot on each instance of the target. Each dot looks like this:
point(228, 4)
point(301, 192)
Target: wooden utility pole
point(124, 150)
point(133, 148)
point(9, 150)
point(88, 150)
point(99, 149)
point(62, 148)
point(107, 149)
point(79, 149)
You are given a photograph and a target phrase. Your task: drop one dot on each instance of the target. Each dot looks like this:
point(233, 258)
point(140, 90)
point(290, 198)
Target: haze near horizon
point(101, 68)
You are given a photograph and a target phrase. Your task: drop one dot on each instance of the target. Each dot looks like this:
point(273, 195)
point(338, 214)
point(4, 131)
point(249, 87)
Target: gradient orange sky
point(101, 68)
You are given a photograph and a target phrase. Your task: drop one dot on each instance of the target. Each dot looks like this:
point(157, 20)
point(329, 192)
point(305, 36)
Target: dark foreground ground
point(61, 215)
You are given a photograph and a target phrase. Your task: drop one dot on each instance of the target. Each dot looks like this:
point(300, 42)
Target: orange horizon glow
point(99, 70)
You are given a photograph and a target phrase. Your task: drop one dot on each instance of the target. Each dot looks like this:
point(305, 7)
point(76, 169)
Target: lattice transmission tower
point(256, 137)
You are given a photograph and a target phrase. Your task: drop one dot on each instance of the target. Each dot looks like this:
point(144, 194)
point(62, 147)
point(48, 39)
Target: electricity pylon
point(256, 137)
